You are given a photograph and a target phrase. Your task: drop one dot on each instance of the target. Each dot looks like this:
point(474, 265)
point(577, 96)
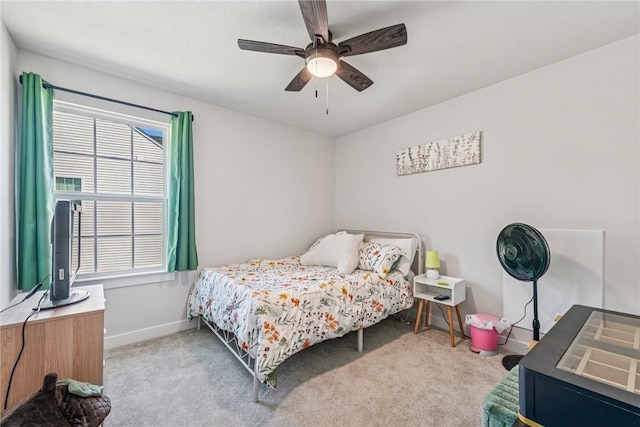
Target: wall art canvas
point(459, 150)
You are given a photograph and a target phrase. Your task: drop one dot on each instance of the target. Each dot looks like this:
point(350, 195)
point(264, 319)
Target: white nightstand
point(427, 289)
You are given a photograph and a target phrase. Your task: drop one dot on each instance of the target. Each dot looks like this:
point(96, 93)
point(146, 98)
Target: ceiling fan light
point(321, 67)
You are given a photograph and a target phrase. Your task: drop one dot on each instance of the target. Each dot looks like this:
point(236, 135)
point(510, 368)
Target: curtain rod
point(104, 98)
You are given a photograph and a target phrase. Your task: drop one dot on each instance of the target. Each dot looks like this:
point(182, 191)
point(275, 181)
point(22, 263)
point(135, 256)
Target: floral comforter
point(276, 308)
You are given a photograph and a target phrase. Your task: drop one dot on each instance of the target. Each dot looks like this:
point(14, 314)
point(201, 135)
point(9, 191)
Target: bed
point(264, 310)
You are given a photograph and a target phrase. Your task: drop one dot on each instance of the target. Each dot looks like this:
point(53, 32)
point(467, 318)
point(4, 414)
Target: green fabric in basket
point(80, 388)
point(500, 406)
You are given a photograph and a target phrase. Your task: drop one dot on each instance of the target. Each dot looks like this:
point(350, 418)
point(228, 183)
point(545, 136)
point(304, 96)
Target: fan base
point(484, 352)
point(511, 360)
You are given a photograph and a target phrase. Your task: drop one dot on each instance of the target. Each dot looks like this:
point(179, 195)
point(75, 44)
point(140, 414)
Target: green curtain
point(182, 254)
point(34, 184)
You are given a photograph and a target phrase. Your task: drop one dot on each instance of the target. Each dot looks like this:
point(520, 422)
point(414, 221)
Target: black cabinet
point(584, 371)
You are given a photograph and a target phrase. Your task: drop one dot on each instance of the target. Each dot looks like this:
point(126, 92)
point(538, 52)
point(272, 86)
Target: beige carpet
point(401, 379)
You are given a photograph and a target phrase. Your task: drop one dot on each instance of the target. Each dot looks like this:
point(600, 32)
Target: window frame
point(65, 183)
point(137, 276)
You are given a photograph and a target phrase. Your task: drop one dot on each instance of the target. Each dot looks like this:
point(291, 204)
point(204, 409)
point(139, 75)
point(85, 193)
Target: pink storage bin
point(484, 341)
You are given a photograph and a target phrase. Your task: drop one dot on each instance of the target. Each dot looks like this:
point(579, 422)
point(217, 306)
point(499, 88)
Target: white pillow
point(335, 250)
point(409, 247)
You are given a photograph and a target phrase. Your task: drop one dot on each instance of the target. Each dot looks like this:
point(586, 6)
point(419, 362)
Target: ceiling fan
point(322, 56)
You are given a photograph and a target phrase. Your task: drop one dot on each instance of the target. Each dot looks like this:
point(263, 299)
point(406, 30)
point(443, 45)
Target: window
point(114, 165)
point(68, 184)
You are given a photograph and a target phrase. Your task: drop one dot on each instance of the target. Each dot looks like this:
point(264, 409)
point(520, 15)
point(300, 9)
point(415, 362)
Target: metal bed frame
point(249, 362)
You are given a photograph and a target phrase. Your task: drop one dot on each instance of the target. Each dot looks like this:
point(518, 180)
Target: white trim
point(83, 110)
point(512, 345)
point(107, 197)
point(147, 333)
point(131, 279)
point(135, 121)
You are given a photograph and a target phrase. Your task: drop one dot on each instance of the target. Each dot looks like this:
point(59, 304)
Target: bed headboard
point(418, 260)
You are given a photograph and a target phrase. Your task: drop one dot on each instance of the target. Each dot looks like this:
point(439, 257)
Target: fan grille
point(523, 252)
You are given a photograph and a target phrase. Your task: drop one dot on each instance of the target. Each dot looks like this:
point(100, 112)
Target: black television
point(67, 213)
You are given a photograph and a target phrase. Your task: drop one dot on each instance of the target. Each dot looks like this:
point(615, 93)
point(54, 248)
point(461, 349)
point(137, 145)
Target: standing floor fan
point(524, 255)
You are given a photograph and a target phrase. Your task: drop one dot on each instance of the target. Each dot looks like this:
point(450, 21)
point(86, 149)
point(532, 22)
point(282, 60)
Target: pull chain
point(316, 78)
point(327, 100)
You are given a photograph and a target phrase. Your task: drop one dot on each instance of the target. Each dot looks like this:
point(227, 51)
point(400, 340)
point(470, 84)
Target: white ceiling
point(190, 47)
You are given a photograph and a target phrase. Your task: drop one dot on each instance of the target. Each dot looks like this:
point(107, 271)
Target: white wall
point(7, 134)
point(262, 190)
point(560, 149)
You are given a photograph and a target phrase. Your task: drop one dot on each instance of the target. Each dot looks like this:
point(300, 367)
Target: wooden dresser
point(67, 340)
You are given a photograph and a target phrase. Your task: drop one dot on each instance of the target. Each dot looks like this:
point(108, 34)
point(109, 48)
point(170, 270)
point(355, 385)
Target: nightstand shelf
point(427, 289)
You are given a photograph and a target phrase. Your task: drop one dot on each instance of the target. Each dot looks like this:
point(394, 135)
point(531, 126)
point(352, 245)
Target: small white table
point(427, 289)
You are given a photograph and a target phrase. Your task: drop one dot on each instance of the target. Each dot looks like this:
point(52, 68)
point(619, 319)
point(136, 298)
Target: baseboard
point(147, 333)
point(140, 335)
point(512, 345)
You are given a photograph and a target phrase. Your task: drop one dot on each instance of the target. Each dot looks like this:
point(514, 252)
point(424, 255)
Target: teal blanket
point(500, 406)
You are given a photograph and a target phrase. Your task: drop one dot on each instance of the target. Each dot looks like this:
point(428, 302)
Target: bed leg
point(198, 322)
point(256, 383)
point(360, 340)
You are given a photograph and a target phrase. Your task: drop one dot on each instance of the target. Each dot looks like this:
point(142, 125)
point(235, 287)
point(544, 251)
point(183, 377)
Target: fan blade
point(269, 47)
point(299, 81)
point(314, 13)
point(353, 77)
point(384, 38)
